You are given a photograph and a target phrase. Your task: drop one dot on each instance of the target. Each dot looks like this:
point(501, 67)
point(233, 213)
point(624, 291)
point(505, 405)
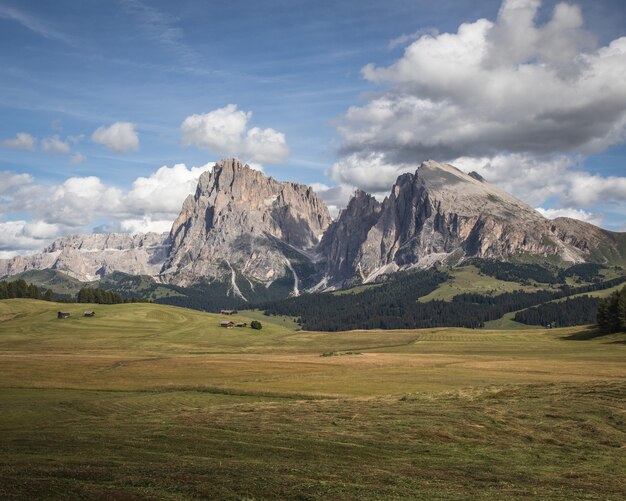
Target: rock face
point(92, 256)
point(241, 227)
point(440, 213)
point(239, 222)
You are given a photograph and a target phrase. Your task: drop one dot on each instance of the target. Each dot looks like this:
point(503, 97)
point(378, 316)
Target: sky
point(112, 109)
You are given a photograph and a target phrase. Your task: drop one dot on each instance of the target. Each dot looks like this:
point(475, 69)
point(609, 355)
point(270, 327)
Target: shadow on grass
point(591, 333)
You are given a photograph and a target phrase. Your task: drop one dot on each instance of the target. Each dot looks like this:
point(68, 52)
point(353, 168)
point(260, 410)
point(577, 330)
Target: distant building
point(62, 314)
point(90, 314)
point(228, 312)
point(226, 323)
point(241, 324)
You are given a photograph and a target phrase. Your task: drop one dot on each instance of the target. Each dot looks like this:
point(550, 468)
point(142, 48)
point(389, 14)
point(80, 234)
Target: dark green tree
point(255, 324)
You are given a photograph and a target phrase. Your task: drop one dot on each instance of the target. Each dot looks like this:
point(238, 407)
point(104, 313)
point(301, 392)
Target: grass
point(356, 290)
point(153, 402)
point(470, 279)
point(507, 323)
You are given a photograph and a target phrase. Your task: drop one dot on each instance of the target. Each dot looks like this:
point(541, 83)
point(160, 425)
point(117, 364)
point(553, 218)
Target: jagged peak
point(477, 176)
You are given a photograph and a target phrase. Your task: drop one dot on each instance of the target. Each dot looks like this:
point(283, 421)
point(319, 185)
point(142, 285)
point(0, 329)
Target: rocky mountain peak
point(91, 256)
point(236, 222)
point(439, 213)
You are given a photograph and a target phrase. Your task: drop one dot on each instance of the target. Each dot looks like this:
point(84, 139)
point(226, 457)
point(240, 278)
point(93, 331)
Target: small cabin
point(89, 314)
point(62, 314)
point(228, 312)
point(227, 324)
point(241, 324)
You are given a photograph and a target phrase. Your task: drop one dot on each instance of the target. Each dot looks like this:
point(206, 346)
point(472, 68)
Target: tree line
point(612, 312)
point(394, 305)
point(579, 310)
point(20, 289)
point(525, 272)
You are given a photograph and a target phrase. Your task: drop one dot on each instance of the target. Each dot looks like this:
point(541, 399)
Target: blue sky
point(296, 67)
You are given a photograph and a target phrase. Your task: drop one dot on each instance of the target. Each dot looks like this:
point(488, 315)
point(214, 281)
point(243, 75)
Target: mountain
point(241, 224)
point(440, 214)
point(91, 256)
point(244, 236)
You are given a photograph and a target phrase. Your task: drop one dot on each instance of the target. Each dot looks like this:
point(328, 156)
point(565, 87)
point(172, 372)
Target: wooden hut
point(62, 314)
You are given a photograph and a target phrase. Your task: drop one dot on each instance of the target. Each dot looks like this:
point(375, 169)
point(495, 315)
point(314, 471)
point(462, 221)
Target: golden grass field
point(154, 402)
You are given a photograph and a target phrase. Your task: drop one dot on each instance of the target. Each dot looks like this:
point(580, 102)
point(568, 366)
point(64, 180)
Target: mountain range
point(245, 232)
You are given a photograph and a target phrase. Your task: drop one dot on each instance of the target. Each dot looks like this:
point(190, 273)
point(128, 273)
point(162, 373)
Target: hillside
point(146, 401)
point(473, 295)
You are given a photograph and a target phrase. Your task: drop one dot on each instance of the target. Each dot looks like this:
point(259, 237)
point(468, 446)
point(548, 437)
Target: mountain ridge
point(246, 230)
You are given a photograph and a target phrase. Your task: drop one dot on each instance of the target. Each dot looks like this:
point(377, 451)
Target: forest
point(20, 289)
point(394, 305)
point(579, 310)
point(612, 312)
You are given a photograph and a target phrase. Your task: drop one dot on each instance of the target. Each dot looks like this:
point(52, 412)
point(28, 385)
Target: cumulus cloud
point(219, 130)
point(266, 145)
point(521, 101)
point(119, 137)
point(533, 179)
point(22, 141)
point(151, 204)
point(24, 237)
point(335, 197)
point(54, 145)
point(585, 189)
point(162, 193)
point(370, 172)
point(589, 217)
point(225, 132)
point(10, 181)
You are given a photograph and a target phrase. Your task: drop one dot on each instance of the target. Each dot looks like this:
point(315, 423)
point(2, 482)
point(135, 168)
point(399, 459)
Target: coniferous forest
point(394, 305)
point(612, 312)
point(20, 289)
point(579, 310)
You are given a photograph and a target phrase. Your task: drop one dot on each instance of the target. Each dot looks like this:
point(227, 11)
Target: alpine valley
point(246, 239)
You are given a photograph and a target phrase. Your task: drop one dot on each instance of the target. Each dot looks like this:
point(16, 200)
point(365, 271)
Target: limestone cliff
point(440, 213)
point(91, 256)
point(239, 222)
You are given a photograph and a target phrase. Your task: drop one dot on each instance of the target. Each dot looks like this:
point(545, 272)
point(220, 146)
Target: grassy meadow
point(145, 401)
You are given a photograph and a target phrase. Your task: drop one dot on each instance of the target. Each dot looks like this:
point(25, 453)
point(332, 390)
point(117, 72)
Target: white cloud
point(585, 190)
point(54, 145)
point(370, 172)
point(573, 213)
point(22, 141)
point(221, 131)
point(145, 224)
point(523, 103)
point(82, 203)
point(164, 191)
point(119, 137)
point(266, 145)
point(335, 197)
point(22, 237)
point(530, 178)
point(9, 181)
point(77, 158)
